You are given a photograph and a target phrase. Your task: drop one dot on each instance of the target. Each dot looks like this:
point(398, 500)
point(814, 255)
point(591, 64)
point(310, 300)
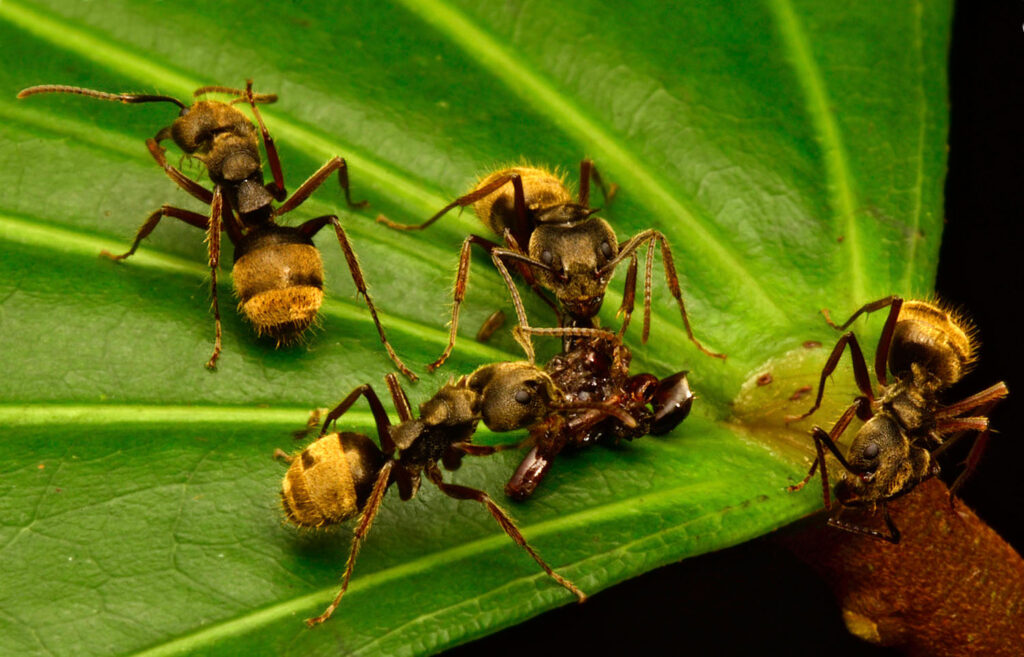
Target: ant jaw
point(583, 308)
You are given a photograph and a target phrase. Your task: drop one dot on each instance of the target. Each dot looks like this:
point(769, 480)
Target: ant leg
point(461, 202)
point(628, 296)
point(240, 94)
point(983, 403)
point(309, 229)
point(860, 372)
point(191, 218)
point(482, 450)
point(307, 188)
point(651, 237)
point(213, 243)
point(823, 440)
point(588, 171)
point(398, 397)
point(973, 458)
point(895, 303)
point(491, 325)
point(986, 398)
point(281, 455)
point(866, 308)
point(380, 416)
point(885, 341)
point(892, 537)
point(465, 493)
point(459, 292)
point(276, 188)
point(180, 179)
point(365, 523)
point(311, 423)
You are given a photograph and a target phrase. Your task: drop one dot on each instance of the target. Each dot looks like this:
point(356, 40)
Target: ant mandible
point(927, 349)
point(342, 475)
point(277, 272)
point(556, 244)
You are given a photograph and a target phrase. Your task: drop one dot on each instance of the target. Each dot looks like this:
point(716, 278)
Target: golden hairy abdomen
point(280, 288)
point(542, 189)
point(949, 336)
point(319, 488)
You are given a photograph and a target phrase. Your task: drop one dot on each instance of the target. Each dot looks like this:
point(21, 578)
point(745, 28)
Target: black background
point(757, 598)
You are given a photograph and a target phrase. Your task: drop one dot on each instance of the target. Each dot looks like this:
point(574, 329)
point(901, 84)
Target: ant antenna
point(102, 95)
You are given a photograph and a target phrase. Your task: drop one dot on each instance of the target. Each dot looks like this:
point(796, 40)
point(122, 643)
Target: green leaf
point(792, 151)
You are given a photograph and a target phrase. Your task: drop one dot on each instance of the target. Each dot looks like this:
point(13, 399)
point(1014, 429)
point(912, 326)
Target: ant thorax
point(911, 401)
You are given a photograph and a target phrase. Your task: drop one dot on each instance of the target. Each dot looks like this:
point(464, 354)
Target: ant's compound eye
point(871, 450)
point(606, 250)
point(546, 257)
point(523, 396)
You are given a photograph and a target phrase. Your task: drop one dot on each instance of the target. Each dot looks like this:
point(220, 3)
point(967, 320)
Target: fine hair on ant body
point(342, 475)
point(927, 349)
point(557, 245)
point(277, 272)
point(596, 369)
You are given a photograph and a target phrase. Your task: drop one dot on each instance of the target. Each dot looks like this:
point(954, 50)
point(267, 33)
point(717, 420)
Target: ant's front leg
point(275, 188)
point(892, 537)
point(652, 237)
point(828, 440)
point(180, 179)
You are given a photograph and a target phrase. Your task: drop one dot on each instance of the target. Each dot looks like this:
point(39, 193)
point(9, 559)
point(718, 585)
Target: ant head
point(513, 395)
point(574, 260)
point(880, 464)
point(198, 128)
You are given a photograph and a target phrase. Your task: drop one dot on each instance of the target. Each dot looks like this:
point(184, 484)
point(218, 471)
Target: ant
point(556, 244)
point(345, 474)
point(277, 273)
point(927, 349)
point(597, 370)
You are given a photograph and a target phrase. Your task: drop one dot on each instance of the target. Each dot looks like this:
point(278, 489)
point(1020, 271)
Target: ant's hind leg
point(309, 229)
point(362, 529)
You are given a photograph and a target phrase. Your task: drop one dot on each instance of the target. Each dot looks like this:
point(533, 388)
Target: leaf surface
point(792, 152)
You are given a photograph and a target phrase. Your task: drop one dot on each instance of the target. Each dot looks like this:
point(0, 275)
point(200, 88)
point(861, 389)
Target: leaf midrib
point(839, 180)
